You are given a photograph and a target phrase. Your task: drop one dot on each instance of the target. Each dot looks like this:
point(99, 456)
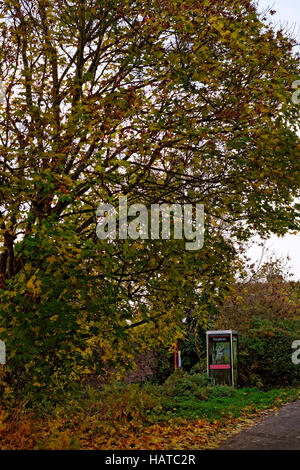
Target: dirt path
point(280, 431)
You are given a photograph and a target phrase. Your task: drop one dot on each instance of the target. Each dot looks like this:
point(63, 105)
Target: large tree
point(162, 101)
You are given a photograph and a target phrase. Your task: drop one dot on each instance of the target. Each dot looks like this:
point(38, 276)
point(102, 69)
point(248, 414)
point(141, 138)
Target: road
point(279, 431)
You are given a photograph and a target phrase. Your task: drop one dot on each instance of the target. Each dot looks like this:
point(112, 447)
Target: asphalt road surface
point(280, 431)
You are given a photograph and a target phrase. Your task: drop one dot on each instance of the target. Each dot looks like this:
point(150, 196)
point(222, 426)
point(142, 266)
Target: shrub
point(181, 384)
point(265, 353)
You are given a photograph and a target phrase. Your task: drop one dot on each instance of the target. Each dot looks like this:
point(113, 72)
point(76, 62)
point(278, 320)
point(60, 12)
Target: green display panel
point(219, 360)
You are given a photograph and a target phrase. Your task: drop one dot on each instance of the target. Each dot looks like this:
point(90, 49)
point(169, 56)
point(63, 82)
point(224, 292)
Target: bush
point(266, 354)
point(200, 367)
point(181, 383)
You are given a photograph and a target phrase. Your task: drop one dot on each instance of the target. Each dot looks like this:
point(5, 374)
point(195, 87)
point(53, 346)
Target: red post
point(176, 356)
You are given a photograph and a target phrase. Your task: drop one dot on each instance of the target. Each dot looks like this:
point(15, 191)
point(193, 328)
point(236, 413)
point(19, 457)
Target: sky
point(287, 13)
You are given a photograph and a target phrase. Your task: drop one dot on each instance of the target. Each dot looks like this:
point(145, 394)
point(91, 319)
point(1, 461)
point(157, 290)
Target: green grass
point(223, 402)
point(193, 397)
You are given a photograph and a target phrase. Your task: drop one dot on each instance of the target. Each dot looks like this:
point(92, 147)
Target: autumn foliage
point(162, 101)
point(265, 310)
point(180, 414)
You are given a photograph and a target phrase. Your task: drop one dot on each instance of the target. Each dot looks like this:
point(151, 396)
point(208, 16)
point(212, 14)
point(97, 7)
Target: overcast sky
point(288, 13)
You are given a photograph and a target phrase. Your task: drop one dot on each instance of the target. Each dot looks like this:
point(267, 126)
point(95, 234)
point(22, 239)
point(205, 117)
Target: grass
point(223, 402)
point(185, 411)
